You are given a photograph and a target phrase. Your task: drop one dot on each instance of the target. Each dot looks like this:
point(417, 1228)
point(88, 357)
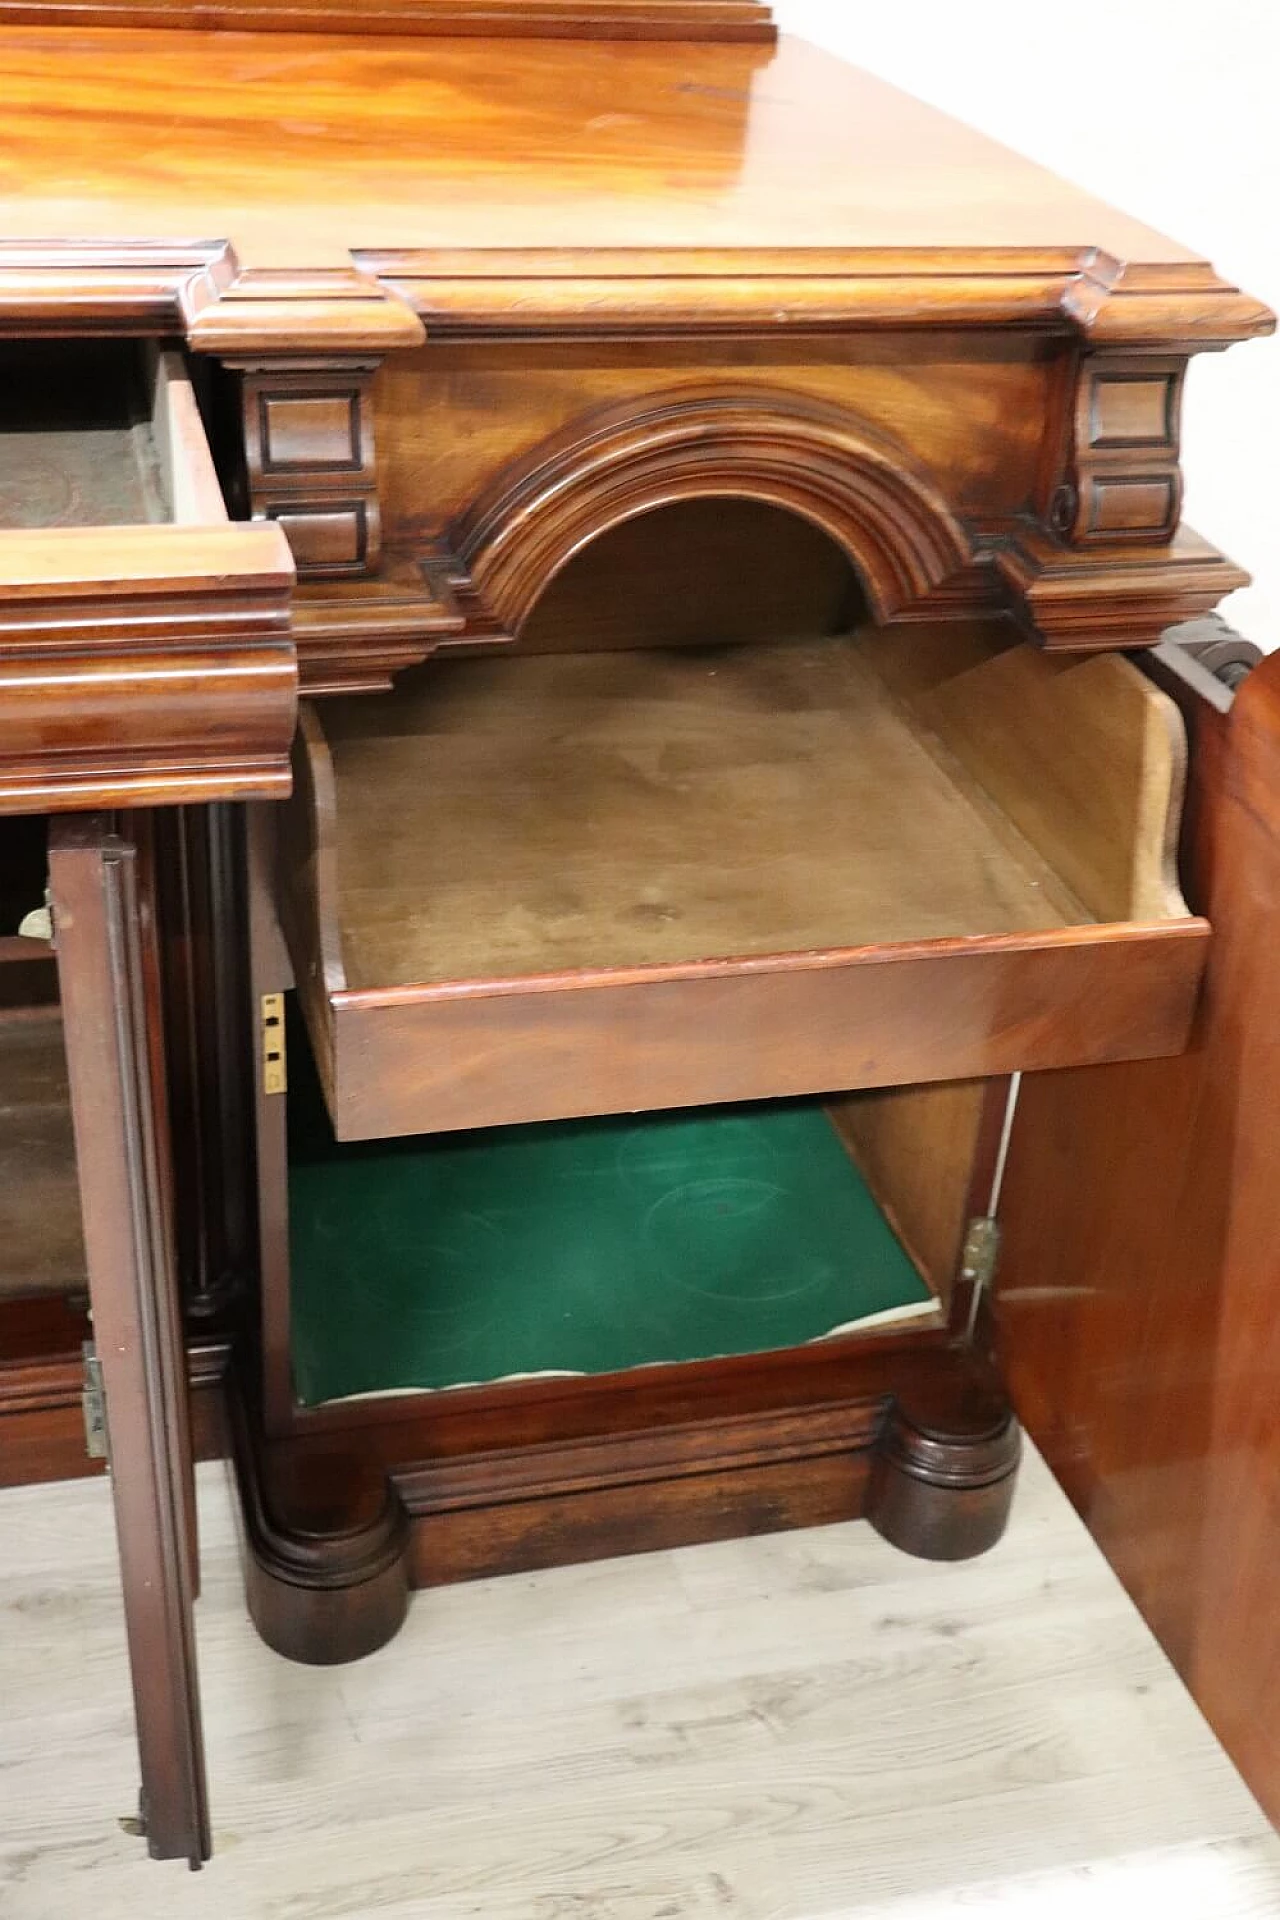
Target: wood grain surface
point(1142, 1241)
point(280, 144)
point(101, 888)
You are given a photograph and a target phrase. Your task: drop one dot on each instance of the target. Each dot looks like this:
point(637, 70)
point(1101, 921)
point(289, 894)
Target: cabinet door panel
point(101, 885)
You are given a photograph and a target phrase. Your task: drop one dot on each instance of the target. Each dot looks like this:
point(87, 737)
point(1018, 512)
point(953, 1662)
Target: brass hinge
point(93, 1400)
point(978, 1261)
point(275, 1077)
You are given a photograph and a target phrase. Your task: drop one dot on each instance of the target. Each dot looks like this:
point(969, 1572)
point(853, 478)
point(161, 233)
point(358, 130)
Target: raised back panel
point(494, 19)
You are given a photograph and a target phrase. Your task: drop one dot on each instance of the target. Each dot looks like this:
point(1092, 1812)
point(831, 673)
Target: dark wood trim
point(109, 978)
point(41, 1374)
point(942, 1482)
point(912, 1432)
point(269, 971)
point(201, 902)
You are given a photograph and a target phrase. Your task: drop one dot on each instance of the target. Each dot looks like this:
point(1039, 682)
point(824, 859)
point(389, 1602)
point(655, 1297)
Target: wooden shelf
point(535, 887)
point(581, 1247)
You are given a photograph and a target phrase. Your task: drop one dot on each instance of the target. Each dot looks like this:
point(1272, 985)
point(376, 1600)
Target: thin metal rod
point(1006, 1133)
point(997, 1182)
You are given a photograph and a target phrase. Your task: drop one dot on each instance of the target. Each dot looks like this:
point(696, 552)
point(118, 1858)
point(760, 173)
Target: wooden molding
point(561, 1467)
point(524, 1474)
point(144, 665)
point(107, 286)
point(497, 19)
point(1080, 599)
point(692, 442)
point(1185, 306)
point(353, 635)
point(1077, 293)
point(381, 301)
point(42, 1380)
point(273, 311)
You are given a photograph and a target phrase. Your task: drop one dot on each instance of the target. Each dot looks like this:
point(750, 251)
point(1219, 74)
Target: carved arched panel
point(782, 449)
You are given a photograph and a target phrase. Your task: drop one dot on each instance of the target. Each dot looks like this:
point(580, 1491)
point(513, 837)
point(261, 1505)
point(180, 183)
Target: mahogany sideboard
point(586, 679)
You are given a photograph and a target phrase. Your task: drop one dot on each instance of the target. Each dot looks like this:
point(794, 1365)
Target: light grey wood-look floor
point(793, 1728)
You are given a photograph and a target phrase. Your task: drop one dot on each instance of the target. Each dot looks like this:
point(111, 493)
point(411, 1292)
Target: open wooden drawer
point(536, 887)
point(144, 638)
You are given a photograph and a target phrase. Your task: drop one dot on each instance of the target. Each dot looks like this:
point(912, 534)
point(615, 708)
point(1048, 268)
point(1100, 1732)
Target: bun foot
point(944, 1469)
point(326, 1548)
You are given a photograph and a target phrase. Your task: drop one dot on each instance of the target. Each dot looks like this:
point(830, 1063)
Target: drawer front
point(145, 647)
point(947, 1010)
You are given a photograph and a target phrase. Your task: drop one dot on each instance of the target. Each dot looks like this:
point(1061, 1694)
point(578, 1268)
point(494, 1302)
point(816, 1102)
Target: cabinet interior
point(41, 1250)
point(649, 773)
point(598, 1246)
point(41, 1247)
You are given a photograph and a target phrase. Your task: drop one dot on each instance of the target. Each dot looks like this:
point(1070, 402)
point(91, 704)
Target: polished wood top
point(298, 148)
point(495, 182)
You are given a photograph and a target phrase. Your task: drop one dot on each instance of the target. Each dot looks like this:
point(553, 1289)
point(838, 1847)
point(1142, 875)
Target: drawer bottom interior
point(578, 1247)
point(514, 817)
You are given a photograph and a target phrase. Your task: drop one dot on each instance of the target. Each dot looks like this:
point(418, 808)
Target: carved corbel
point(310, 463)
point(1105, 561)
point(1123, 484)
point(306, 347)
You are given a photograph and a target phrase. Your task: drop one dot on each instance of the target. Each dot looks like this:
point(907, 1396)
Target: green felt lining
point(586, 1246)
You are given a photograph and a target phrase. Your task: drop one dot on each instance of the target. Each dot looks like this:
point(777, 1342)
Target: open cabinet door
point(101, 884)
point(1136, 1296)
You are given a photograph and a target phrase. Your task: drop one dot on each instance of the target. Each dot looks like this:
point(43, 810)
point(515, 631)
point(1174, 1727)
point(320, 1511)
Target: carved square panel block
point(327, 537)
point(310, 432)
point(1133, 504)
point(1134, 410)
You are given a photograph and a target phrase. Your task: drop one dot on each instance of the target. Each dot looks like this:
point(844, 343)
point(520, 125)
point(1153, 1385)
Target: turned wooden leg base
point(325, 1541)
point(943, 1476)
point(339, 1525)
